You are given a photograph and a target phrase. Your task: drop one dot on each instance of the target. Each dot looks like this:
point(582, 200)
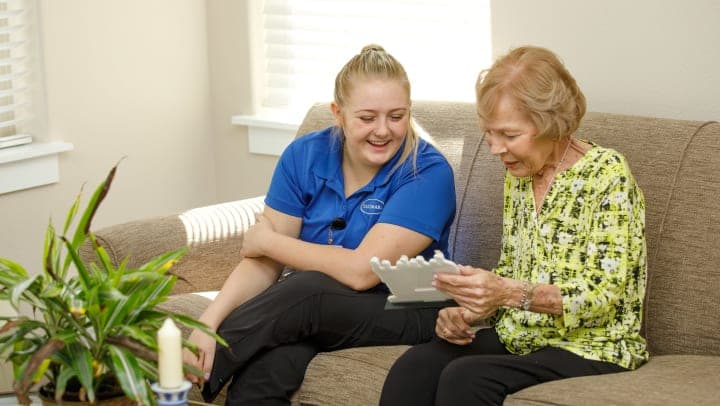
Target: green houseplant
point(91, 324)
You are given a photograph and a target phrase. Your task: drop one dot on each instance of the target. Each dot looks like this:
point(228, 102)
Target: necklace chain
point(552, 180)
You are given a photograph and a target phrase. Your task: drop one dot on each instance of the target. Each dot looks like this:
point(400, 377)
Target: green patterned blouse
point(589, 240)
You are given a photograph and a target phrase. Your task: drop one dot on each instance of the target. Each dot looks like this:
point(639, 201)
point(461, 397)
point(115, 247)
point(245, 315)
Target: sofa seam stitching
point(666, 209)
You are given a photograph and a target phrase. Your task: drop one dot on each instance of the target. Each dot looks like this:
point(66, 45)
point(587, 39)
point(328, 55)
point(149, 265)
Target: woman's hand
point(480, 291)
point(256, 236)
point(205, 358)
point(455, 325)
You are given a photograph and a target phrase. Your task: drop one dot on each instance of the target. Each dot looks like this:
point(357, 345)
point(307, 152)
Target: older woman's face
point(512, 137)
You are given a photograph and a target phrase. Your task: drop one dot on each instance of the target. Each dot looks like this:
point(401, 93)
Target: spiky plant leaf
point(72, 211)
point(74, 258)
point(12, 267)
point(19, 289)
point(61, 380)
point(127, 371)
point(101, 254)
point(83, 366)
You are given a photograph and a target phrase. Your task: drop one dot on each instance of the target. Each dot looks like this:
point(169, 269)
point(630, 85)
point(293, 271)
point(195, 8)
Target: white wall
point(127, 79)
point(239, 173)
point(645, 57)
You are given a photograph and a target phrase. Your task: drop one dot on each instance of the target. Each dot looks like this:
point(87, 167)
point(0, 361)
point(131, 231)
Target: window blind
point(17, 62)
point(443, 45)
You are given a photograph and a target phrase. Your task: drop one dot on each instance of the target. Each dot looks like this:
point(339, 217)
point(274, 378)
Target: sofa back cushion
point(677, 165)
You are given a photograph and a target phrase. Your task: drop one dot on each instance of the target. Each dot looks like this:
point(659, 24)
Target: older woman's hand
point(475, 289)
point(256, 236)
point(455, 325)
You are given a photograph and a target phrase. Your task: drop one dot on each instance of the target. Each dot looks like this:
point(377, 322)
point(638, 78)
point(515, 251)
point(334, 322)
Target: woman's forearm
point(347, 266)
point(248, 279)
point(350, 267)
point(541, 297)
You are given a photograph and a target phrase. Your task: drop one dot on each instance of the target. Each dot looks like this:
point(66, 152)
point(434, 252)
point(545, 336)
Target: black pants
point(481, 373)
point(273, 336)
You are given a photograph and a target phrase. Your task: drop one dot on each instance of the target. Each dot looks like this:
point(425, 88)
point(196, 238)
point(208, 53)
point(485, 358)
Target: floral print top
point(589, 240)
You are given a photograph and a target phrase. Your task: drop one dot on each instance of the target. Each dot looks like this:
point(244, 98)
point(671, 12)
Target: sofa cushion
point(352, 376)
point(664, 380)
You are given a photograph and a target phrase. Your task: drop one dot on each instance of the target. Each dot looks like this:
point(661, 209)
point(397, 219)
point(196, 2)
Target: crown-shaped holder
point(411, 279)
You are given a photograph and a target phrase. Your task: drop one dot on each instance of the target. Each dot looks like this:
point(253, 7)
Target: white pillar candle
point(170, 372)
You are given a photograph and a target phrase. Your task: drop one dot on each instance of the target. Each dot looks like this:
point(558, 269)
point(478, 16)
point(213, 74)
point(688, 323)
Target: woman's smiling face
point(374, 120)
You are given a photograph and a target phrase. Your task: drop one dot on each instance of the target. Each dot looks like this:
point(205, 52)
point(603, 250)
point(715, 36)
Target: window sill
point(268, 133)
point(30, 165)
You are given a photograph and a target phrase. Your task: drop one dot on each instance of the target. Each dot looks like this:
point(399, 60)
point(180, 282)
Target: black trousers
point(481, 373)
point(273, 336)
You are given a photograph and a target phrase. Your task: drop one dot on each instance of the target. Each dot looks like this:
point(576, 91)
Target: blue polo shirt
point(308, 183)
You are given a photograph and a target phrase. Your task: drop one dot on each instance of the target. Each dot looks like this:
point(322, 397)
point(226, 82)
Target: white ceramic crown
point(410, 280)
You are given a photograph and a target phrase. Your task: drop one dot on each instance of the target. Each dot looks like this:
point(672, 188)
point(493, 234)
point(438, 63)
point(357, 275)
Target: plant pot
point(116, 401)
point(108, 395)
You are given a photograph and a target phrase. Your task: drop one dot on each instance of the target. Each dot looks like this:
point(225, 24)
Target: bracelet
point(526, 295)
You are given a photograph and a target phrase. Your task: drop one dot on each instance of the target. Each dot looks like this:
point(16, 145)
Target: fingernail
point(207, 375)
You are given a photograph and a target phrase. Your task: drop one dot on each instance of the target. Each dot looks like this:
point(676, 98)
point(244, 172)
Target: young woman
point(368, 186)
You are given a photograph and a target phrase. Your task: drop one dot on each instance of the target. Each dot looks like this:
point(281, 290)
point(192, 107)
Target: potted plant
point(92, 326)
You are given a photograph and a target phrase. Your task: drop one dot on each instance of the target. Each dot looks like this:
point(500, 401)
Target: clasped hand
point(456, 325)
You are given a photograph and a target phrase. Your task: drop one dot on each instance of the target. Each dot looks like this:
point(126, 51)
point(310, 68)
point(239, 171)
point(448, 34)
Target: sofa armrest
point(213, 235)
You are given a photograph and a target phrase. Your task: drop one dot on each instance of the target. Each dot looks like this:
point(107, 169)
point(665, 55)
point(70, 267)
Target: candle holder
point(172, 397)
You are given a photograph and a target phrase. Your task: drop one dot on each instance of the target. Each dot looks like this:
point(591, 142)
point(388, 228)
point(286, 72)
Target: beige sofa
point(677, 163)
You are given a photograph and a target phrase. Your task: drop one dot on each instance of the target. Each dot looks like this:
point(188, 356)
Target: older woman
point(566, 297)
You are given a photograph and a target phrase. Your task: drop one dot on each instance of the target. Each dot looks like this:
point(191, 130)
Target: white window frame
point(22, 101)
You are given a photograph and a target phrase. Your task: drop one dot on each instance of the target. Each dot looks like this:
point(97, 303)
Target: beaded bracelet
point(526, 295)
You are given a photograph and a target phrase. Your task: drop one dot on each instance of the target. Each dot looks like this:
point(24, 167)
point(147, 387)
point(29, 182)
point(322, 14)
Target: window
point(442, 45)
point(23, 165)
point(21, 107)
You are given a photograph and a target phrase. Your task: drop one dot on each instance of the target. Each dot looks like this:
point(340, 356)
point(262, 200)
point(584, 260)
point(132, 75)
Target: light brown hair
point(539, 83)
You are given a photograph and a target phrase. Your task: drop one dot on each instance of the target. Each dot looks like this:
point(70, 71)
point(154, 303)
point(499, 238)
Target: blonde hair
point(539, 83)
point(373, 62)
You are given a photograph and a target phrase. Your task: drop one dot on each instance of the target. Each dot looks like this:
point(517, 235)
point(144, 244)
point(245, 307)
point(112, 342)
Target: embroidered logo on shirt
point(372, 206)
